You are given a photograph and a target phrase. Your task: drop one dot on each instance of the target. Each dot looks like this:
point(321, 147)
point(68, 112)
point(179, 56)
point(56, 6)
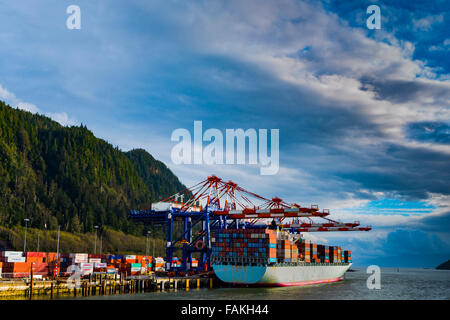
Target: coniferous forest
point(55, 175)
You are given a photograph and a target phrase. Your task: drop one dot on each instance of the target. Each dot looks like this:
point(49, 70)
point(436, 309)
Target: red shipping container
point(40, 267)
point(35, 254)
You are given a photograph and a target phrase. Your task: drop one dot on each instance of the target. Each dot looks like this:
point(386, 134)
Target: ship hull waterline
point(280, 275)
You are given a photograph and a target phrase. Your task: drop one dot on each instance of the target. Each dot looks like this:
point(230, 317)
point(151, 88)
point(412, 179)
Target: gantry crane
point(216, 204)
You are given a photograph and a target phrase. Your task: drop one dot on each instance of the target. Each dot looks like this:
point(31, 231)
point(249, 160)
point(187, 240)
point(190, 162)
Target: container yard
point(35, 273)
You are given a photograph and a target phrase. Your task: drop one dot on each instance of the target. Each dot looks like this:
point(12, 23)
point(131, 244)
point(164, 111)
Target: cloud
point(400, 247)
point(343, 101)
point(363, 115)
point(426, 23)
point(62, 118)
point(11, 99)
point(430, 131)
point(5, 94)
point(28, 107)
point(442, 47)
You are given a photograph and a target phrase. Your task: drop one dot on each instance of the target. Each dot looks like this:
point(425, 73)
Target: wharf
point(100, 285)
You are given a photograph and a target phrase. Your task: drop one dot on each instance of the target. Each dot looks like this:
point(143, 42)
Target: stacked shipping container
point(347, 256)
point(159, 264)
point(286, 251)
point(12, 256)
point(304, 247)
point(250, 245)
point(314, 256)
point(18, 264)
point(259, 245)
point(324, 253)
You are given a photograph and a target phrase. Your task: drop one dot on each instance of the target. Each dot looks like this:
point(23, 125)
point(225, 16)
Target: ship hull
point(280, 275)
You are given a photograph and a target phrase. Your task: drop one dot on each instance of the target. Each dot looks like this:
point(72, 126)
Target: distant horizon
point(395, 267)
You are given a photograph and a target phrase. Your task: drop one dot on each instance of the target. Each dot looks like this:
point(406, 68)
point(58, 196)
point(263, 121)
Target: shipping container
point(12, 254)
point(15, 259)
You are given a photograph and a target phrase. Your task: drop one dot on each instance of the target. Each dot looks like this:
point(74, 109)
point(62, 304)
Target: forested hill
point(159, 180)
point(65, 175)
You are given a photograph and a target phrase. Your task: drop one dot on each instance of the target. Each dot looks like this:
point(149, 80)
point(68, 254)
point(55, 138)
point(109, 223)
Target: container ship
point(264, 257)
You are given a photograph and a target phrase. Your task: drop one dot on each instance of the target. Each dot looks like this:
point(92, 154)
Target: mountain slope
point(159, 180)
point(444, 265)
point(59, 175)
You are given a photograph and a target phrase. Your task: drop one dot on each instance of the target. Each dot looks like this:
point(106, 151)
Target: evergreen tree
point(65, 176)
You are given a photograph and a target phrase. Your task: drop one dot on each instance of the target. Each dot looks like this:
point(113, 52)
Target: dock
point(100, 285)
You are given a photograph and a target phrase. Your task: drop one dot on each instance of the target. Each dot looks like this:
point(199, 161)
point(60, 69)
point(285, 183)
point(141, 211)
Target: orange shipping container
point(35, 259)
point(16, 267)
point(51, 256)
point(35, 254)
point(272, 253)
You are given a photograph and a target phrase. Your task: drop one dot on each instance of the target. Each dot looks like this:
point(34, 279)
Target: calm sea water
point(416, 284)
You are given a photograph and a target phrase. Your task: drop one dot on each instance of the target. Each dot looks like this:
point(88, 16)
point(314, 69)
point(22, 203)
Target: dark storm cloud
point(404, 241)
point(409, 172)
point(401, 91)
point(403, 247)
point(313, 131)
point(436, 223)
point(240, 94)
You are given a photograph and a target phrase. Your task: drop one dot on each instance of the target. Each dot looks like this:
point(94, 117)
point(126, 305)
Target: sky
point(363, 114)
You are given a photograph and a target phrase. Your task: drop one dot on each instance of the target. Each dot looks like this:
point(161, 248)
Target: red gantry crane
point(217, 204)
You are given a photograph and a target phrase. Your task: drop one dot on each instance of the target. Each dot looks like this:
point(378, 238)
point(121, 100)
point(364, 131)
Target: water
point(405, 284)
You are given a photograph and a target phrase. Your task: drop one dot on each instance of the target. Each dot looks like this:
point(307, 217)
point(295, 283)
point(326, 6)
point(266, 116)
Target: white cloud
point(272, 36)
point(426, 23)
point(300, 44)
point(11, 99)
point(444, 46)
point(62, 118)
point(28, 107)
point(5, 94)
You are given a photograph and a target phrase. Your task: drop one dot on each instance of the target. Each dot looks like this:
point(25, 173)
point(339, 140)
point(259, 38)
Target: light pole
point(57, 252)
point(101, 243)
point(57, 244)
point(39, 235)
point(25, 239)
point(147, 245)
point(95, 240)
point(153, 247)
